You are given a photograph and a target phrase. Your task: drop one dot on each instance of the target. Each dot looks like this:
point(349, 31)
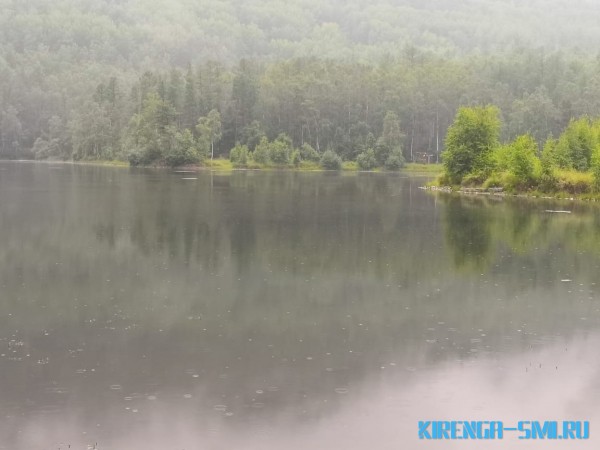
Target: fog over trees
point(102, 79)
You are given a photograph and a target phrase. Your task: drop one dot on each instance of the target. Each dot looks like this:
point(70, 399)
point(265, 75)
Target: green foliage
point(382, 151)
point(555, 156)
point(395, 160)
point(295, 158)
point(470, 141)
point(331, 161)
point(576, 144)
point(154, 138)
point(574, 182)
point(261, 152)
point(349, 166)
point(150, 132)
point(210, 129)
point(595, 163)
point(183, 150)
point(391, 134)
point(308, 153)
point(270, 69)
point(239, 156)
point(473, 179)
point(367, 160)
point(516, 165)
point(280, 149)
point(358, 139)
point(56, 144)
point(519, 159)
point(252, 134)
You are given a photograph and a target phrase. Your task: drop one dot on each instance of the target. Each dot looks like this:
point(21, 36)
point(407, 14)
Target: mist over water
point(285, 310)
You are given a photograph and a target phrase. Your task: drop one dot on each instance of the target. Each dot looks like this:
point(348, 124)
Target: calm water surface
point(143, 310)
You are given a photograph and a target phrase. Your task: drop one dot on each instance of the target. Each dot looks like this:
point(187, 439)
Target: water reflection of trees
point(479, 230)
point(468, 233)
point(249, 275)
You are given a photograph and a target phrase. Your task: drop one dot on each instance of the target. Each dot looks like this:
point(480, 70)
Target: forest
point(157, 82)
point(475, 157)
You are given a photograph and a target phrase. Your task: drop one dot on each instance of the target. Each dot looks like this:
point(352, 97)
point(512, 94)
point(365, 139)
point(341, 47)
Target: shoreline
point(224, 165)
point(493, 192)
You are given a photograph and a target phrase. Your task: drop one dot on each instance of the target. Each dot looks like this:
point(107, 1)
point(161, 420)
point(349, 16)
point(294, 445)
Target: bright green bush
point(470, 142)
point(574, 182)
point(574, 147)
point(523, 159)
point(516, 165)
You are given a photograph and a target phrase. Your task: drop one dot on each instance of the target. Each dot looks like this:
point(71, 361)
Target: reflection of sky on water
point(558, 382)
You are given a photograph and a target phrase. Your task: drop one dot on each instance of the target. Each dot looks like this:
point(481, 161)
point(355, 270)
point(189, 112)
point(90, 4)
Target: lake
point(150, 309)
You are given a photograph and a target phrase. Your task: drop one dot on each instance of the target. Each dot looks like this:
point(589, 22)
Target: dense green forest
point(474, 156)
point(175, 81)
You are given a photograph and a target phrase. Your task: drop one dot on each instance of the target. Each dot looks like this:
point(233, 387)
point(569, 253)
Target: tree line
point(474, 156)
point(74, 73)
point(349, 108)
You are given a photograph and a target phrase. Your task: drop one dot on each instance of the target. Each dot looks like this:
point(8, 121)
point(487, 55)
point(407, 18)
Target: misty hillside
point(149, 32)
point(75, 75)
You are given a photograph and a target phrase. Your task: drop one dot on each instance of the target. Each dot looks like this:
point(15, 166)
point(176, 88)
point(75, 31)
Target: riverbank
point(225, 165)
point(500, 192)
point(308, 166)
point(566, 184)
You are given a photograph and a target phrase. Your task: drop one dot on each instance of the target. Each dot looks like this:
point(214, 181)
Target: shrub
point(574, 182)
point(575, 145)
point(382, 151)
point(395, 160)
point(596, 168)
point(366, 160)
point(473, 179)
point(308, 153)
point(470, 141)
point(331, 161)
point(295, 158)
point(495, 180)
point(523, 158)
point(516, 164)
point(279, 152)
point(261, 152)
point(183, 151)
point(239, 156)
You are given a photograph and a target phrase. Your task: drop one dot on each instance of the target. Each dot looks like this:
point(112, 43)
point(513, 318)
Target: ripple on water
point(341, 390)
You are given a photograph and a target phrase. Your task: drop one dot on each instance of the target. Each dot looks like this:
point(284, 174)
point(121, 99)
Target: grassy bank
point(226, 165)
point(560, 184)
